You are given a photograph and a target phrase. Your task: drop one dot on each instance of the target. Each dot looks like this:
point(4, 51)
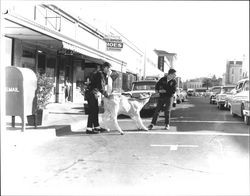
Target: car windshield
point(227, 89)
point(143, 86)
point(246, 86)
point(216, 90)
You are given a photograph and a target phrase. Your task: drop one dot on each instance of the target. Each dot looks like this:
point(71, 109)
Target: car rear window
point(144, 86)
point(227, 89)
point(216, 90)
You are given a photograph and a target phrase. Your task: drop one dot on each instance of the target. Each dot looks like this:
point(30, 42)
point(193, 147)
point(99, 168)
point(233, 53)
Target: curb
point(77, 127)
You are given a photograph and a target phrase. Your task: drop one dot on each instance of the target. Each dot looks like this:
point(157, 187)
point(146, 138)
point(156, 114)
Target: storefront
point(66, 48)
point(43, 50)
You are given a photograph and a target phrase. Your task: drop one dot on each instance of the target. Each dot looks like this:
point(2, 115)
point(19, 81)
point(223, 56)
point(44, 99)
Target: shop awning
point(67, 42)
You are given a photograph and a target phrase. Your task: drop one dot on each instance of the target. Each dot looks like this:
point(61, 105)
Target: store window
point(41, 63)
point(50, 69)
point(28, 59)
point(28, 53)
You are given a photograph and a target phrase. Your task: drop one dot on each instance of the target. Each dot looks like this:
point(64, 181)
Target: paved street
point(205, 152)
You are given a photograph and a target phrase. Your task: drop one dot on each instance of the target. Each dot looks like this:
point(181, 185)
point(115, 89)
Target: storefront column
point(57, 78)
point(61, 79)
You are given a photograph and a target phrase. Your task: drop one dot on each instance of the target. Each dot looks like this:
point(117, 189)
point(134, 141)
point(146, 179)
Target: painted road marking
point(187, 133)
point(207, 121)
point(191, 121)
point(173, 146)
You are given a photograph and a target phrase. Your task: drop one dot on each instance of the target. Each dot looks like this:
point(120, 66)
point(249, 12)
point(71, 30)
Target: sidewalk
point(66, 118)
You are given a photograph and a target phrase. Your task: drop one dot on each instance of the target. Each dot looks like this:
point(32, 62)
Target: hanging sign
point(113, 43)
point(161, 63)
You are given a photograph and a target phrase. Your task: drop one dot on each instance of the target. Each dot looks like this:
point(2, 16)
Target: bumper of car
point(213, 99)
point(220, 102)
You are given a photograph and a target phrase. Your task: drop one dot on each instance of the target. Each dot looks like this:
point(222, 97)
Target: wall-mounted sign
point(113, 43)
point(161, 63)
point(65, 52)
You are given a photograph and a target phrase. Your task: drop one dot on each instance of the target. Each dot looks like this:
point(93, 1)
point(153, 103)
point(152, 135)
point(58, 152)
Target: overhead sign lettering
point(113, 43)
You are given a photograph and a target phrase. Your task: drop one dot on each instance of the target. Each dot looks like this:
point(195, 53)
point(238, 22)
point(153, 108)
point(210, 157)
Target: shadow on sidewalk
point(71, 113)
point(59, 130)
point(110, 133)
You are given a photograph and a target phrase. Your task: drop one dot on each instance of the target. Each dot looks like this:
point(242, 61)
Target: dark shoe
point(167, 127)
point(94, 131)
point(102, 130)
point(150, 126)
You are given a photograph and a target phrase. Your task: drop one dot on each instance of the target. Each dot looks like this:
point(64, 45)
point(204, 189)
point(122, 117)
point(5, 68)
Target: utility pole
point(145, 63)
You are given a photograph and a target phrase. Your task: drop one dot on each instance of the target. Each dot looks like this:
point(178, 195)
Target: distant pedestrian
point(67, 90)
point(166, 87)
point(95, 89)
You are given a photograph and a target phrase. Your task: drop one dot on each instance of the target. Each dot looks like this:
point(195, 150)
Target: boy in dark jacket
point(95, 89)
point(166, 87)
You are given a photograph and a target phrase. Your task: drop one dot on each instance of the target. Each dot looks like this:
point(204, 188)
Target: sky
point(203, 34)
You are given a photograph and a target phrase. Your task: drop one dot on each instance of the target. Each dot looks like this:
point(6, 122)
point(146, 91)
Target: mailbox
point(21, 85)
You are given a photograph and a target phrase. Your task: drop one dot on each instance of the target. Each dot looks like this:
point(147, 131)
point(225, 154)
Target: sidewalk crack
point(188, 169)
point(64, 169)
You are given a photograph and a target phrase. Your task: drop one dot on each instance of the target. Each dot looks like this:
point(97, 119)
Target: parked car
point(213, 92)
point(228, 98)
point(239, 104)
point(238, 88)
point(221, 97)
point(147, 86)
point(178, 95)
point(200, 91)
point(190, 92)
point(181, 95)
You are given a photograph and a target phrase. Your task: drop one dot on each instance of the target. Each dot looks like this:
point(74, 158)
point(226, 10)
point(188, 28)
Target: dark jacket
point(170, 86)
point(97, 82)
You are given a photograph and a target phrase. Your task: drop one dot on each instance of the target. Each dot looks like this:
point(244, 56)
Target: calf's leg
point(105, 120)
point(110, 117)
point(118, 128)
point(139, 123)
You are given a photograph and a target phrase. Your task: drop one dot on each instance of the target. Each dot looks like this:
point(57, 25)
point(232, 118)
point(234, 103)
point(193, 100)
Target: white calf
point(117, 104)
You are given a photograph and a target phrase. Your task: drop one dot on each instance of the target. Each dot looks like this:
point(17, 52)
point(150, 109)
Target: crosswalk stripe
point(206, 121)
point(173, 146)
